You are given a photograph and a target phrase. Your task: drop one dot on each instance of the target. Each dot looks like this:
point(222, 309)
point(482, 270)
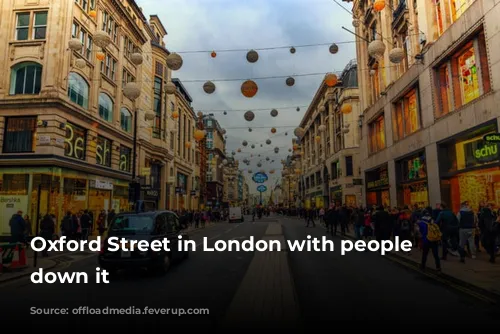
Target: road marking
point(215, 237)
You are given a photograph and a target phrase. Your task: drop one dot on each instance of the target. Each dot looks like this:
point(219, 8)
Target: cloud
point(228, 24)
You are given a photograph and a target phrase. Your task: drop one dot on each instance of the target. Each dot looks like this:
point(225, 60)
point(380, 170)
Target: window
point(463, 77)
point(125, 159)
point(129, 47)
point(172, 106)
point(377, 134)
point(19, 135)
point(31, 25)
point(335, 170)
point(448, 11)
point(78, 90)
point(26, 78)
point(406, 118)
point(109, 26)
point(105, 107)
point(159, 69)
point(172, 143)
point(108, 67)
point(125, 120)
point(85, 38)
point(348, 166)
point(157, 107)
point(209, 123)
point(210, 135)
point(103, 151)
point(87, 5)
point(127, 77)
point(210, 144)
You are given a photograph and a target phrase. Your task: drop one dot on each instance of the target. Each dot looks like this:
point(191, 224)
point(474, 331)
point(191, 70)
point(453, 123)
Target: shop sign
point(492, 138)
point(378, 183)
point(103, 151)
point(357, 182)
point(104, 185)
point(145, 171)
point(152, 193)
point(74, 143)
point(261, 188)
point(482, 151)
point(125, 155)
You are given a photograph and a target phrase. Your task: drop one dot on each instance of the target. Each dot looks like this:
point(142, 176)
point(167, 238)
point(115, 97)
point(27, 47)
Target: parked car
point(149, 226)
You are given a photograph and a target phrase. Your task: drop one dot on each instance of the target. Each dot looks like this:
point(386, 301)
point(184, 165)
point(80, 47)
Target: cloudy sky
point(197, 25)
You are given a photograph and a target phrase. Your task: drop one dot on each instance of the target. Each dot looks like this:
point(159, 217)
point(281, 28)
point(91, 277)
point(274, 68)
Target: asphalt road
point(358, 289)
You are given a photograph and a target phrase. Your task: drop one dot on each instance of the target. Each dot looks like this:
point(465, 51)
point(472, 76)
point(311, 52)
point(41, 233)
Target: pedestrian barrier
point(14, 256)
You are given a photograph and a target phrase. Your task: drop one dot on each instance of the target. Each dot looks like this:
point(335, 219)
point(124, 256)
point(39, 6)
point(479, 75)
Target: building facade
point(202, 164)
point(330, 144)
point(231, 181)
point(429, 92)
point(66, 124)
point(185, 166)
point(216, 148)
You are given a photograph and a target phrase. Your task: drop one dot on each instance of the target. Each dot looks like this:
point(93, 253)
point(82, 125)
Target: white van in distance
point(235, 214)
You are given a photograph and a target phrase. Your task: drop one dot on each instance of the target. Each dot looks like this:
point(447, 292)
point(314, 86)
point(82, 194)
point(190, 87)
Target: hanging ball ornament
point(93, 14)
point(75, 44)
point(136, 58)
point(174, 61)
point(322, 109)
point(292, 50)
point(225, 112)
point(379, 5)
point(233, 153)
point(245, 143)
point(276, 150)
point(100, 55)
point(101, 39)
point(200, 114)
point(209, 87)
point(260, 146)
point(224, 162)
point(213, 54)
point(346, 108)
point(170, 88)
point(199, 135)
point(298, 109)
point(322, 128)
point(376, 49)
point(334, 48)
point(299, 132)
point(396, 55)
point(290, 81)
point(252, 56)
point(253, 146)
point(250, 130)
point(259, 165)
point(249, 116)
point(268, 142)
point(274, 113)
point(187, 144)
point(331, 79)
point(249, 88)
point(289, 150)
point(355, 23)
point(286, 133)
point(273, 130)
point(317, 139)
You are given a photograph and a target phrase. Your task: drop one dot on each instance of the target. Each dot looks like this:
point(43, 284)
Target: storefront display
point(336, 195)
point(469, 169)
point(350, 200)
point(411, 176)
point(62, 190)
point(377, 187)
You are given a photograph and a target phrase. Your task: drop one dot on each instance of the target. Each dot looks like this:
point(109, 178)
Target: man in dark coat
point(382, 222)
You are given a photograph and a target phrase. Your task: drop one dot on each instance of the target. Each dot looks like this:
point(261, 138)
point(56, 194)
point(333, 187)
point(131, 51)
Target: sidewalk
point(42, 262)
point(475, 273)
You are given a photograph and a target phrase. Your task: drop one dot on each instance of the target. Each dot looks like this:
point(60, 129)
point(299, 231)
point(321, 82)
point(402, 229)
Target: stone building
point(429, 76)
point(330, 144)
point(185, 161)
point(216, 148)
point(66, 125)
point(231, 173)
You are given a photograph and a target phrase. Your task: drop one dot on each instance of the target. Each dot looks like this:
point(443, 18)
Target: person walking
point(17, 227)
point(448, 224)
point(47, 231)
point(467, 223)
point(431, 235)
point(490, 228)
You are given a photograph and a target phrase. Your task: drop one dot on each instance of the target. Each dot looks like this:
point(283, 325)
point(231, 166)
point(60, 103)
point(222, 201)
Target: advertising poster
point(9, 205)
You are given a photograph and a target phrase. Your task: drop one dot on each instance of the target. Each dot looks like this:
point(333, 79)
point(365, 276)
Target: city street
point(360, 288)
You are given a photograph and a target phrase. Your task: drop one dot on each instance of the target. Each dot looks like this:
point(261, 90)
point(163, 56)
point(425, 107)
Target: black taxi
point(148, 226)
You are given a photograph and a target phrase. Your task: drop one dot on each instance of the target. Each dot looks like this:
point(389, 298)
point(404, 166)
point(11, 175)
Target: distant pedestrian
point(431, 236)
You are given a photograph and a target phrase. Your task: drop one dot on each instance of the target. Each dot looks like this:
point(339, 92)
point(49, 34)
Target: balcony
point(399, 14)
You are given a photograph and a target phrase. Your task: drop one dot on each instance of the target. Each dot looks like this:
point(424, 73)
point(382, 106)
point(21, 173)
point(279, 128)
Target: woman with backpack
point(490, 228)
point(431, 236)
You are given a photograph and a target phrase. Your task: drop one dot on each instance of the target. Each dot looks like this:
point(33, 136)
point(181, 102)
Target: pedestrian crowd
point(461, 234)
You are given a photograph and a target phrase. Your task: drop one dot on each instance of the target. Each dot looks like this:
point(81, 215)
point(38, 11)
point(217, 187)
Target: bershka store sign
point(75, 142)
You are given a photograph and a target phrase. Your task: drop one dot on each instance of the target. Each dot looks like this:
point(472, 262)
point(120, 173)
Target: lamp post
point(132, 92)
